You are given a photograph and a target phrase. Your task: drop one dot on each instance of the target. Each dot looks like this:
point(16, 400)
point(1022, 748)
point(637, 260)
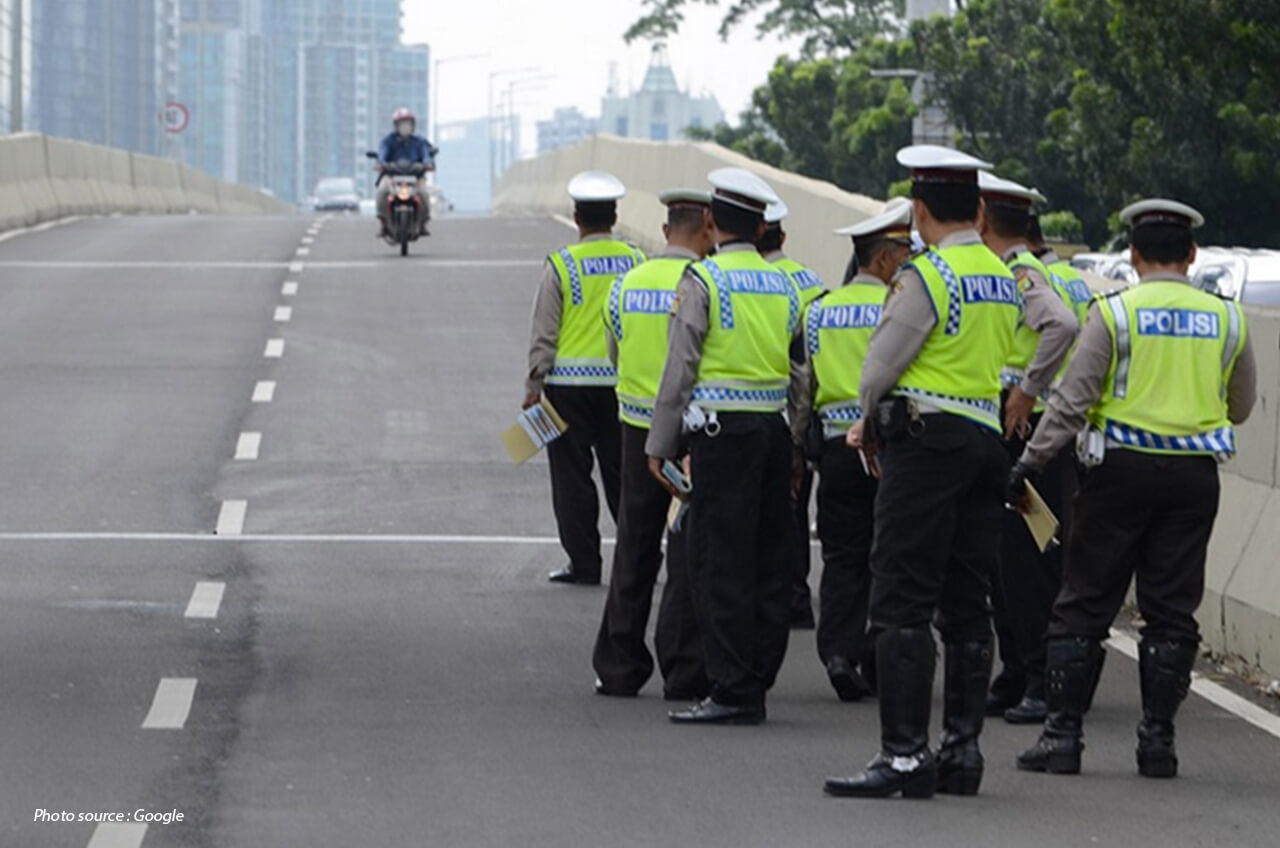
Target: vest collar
point(674, 251)
point(961, 237)
point(737, 247)
point(1165, 277)
point(774, 256)
point(863, 279)
point(598, 237)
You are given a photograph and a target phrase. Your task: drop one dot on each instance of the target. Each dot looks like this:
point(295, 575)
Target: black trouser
point(1028, 581)
point(592, 415)
point(740, 523)
point(621, 659)
point(846, 522)
point(1146, 515)
point(801, 598)
point(937, 528)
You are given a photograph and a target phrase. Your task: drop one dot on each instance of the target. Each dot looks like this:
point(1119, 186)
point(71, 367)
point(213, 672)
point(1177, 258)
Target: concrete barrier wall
point(648, 168)
point(44, 178)
point(1241, 610)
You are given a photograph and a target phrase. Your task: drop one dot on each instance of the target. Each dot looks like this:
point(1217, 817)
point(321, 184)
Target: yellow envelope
point(1041, 521)
point(535, 428)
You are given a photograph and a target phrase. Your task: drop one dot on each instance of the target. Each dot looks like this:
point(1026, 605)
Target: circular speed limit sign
point(174, 117)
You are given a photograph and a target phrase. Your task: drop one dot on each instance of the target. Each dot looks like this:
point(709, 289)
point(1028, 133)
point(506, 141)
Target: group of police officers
point(960, 361)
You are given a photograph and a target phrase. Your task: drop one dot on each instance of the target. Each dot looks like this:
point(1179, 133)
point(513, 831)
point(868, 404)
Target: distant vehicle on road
point(1247, 275)
point(407, 214)
point(337, 194)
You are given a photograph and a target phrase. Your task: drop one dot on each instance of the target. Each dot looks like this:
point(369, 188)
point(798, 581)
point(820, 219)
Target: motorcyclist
point(403, 144)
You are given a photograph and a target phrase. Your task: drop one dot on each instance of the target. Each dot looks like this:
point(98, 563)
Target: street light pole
point(493, 75)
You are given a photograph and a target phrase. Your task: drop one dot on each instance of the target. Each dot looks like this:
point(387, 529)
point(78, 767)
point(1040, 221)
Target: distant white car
point(336, 194)
point(1247, 275)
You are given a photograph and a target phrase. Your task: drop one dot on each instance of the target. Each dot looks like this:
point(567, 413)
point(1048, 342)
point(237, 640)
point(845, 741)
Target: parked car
point(1247, 275)
point(337, 194)
point(1106, 271)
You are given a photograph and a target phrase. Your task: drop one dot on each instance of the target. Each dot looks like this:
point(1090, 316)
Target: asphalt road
point(387, 665)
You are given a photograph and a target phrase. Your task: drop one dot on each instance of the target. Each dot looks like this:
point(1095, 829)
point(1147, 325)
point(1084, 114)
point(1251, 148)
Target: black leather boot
point(1070, 671)
point(960, 763)
point(1165, 669)
point(904, 663)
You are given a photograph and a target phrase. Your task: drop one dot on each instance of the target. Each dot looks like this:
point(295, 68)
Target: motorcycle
point(405, 211)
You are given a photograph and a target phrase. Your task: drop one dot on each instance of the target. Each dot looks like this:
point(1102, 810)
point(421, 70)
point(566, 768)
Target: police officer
point(810, 286)
point(932, 377)
point(568, 355)
point(636, 318)
point(837, 330)
point(1027, 580)
point(1064, 275)
point(1161, 372)
point(727, 373)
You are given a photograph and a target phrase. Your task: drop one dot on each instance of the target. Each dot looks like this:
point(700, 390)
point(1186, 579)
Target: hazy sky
point(573, 42)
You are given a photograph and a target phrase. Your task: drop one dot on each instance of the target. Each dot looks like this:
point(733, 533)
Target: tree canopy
point(1095, 102)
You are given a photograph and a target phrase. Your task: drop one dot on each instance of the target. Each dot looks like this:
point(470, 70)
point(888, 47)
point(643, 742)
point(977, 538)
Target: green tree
point(826, 26)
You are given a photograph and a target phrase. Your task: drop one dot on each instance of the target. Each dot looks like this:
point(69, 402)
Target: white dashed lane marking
point(304, 251)
point(283, 314)
point(171, 705)
point(231, 518)
point(274, 349)
point(248, 445)
point(264, 391)
point(118, 835)
point(205, 600)
point(290, 288)
point(309, 239)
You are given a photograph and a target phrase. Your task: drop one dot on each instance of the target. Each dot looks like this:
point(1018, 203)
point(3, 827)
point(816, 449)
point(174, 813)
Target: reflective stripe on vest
point(1123, 346)
point(952, 327)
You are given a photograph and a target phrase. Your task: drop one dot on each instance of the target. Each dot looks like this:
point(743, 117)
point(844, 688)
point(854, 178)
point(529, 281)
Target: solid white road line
point(248, 445)
point(568, 222)
point(39, 228)
point(293, 267)
point(290, 288)
point(171, 705)
point(135, 536)
point(205, 600)
point(231, 518)
point(283, 314)
point(264, 391)
point(1214, 693)
point(118, 835)
point(274, 349)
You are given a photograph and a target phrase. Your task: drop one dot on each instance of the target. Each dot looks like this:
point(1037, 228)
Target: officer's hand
point(531, 400)
point(1017, 414)
point(1015, 489)
point(655, 468)
point(854, 437)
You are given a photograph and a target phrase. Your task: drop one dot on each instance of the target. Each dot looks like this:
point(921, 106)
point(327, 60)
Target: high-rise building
point(15, 63)
point(102, 70)
point(659, 111)
point(566, 128)
point(221, 85)
point(464, 176)
point(337, 71)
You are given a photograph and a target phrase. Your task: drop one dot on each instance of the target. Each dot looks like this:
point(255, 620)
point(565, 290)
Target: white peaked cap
point(596, 187)
point(1157, 210)
point(742, 188)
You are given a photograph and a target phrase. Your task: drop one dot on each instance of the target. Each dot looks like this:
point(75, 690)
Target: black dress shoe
point(913, 777)
point(568, 577)
point(1027, 711)
point(614, 691)
point(708, 711)
point(849, 685)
